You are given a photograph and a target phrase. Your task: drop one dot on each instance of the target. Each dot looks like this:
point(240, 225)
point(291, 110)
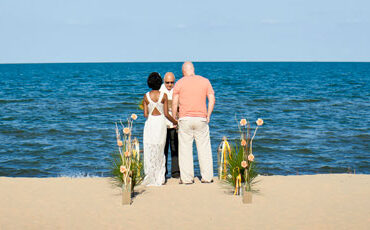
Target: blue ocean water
point(58, 119)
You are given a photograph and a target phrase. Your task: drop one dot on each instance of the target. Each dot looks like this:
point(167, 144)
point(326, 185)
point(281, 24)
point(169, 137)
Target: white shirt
point(169, 96)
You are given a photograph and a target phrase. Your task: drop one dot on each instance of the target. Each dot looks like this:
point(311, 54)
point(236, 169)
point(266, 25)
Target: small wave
point(270, 141)
point(333, 85)
point(52, 131)
point(263, 149)
point(264, 100)
point(2, 101)
point(123, 94)
point(305, 100)
point(25, 172)
point(364, 166)
point(360, 157)
point(106, 85)
point(75, 132)
point(290, 110)
point(128, 103)
point(68, 153)
point(12, 131)
point(305, 151)
point(34, 144)
point(8, 118)
point(338, 104)
point(273, 171)
point(217, 112)
point(46, 90)
point(333, 169)
point(363, 136)
point(105, 109)
point(318, 159)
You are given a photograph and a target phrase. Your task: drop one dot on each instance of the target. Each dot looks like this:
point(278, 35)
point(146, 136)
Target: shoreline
point(196, 176)
point(324, 201)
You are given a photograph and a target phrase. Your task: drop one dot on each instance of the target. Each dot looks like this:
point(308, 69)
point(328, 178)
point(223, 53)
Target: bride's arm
point(166, 113)
point(145, 104)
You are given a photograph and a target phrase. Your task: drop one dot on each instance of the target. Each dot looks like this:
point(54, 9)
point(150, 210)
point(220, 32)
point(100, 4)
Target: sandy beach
point(333, 201)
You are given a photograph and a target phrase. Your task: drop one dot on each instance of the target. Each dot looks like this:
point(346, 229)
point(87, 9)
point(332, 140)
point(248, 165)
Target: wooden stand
point(126, 194)
point(247, 197)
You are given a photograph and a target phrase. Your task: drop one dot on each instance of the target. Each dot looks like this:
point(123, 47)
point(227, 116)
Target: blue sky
point(129, 31)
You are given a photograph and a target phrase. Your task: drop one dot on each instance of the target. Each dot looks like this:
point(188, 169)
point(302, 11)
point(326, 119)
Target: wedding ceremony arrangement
point(184, 115)
point(236, 162)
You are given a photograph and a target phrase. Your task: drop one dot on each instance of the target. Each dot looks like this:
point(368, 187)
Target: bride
point(155, 130)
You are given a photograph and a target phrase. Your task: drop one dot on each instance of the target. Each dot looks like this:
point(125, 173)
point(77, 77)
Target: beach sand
point(333, 201)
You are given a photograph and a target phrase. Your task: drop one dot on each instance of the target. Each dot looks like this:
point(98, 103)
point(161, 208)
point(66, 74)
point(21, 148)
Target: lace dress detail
point(155, 132)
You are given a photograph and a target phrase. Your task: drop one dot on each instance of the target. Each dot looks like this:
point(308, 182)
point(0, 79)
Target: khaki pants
point(197, 128)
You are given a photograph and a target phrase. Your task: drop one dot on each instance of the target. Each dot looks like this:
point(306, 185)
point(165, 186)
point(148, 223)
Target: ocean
point(59, 119)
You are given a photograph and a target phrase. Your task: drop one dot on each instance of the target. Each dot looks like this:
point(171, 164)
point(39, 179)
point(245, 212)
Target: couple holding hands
point(177, 114)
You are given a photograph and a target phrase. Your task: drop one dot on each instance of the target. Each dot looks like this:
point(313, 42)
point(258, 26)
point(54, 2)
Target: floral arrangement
point(240, 170)
point(127, 164)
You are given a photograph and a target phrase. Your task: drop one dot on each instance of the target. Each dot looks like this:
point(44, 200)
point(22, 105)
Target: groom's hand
point(208, 119)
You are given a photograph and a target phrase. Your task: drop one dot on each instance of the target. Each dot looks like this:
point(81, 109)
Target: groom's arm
point(211, 105)
point(211, 101)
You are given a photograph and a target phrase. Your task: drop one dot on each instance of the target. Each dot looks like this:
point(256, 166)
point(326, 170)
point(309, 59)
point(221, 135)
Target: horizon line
point(103, 62)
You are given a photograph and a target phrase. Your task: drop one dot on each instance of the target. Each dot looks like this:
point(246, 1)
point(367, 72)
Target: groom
point(191, 93)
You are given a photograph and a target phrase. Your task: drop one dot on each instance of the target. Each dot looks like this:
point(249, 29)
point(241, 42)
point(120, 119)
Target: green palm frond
point(234, 164)
point(136, 168)
point(115, 168)
point(234, 167)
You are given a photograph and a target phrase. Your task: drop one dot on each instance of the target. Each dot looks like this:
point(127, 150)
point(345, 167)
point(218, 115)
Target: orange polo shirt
point(193, 91)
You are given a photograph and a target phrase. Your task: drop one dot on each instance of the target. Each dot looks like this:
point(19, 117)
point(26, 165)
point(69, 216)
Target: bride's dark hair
point(154, 81)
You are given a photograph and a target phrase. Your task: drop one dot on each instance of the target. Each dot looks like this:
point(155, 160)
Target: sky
point(155, 31)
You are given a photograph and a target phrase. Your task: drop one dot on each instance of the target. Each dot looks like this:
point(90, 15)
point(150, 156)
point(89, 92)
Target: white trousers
point(197, 128)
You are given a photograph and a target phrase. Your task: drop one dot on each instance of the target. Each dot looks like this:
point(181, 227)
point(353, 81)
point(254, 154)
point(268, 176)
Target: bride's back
point(155, 105)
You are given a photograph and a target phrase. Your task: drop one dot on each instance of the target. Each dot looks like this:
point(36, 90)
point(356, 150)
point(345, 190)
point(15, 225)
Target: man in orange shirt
point(191, 93)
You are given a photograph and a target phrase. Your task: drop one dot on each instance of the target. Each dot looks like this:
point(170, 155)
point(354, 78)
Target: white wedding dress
point(155, 131)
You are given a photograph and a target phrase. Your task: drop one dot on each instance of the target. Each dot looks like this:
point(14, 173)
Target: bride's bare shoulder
point(165, 98)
